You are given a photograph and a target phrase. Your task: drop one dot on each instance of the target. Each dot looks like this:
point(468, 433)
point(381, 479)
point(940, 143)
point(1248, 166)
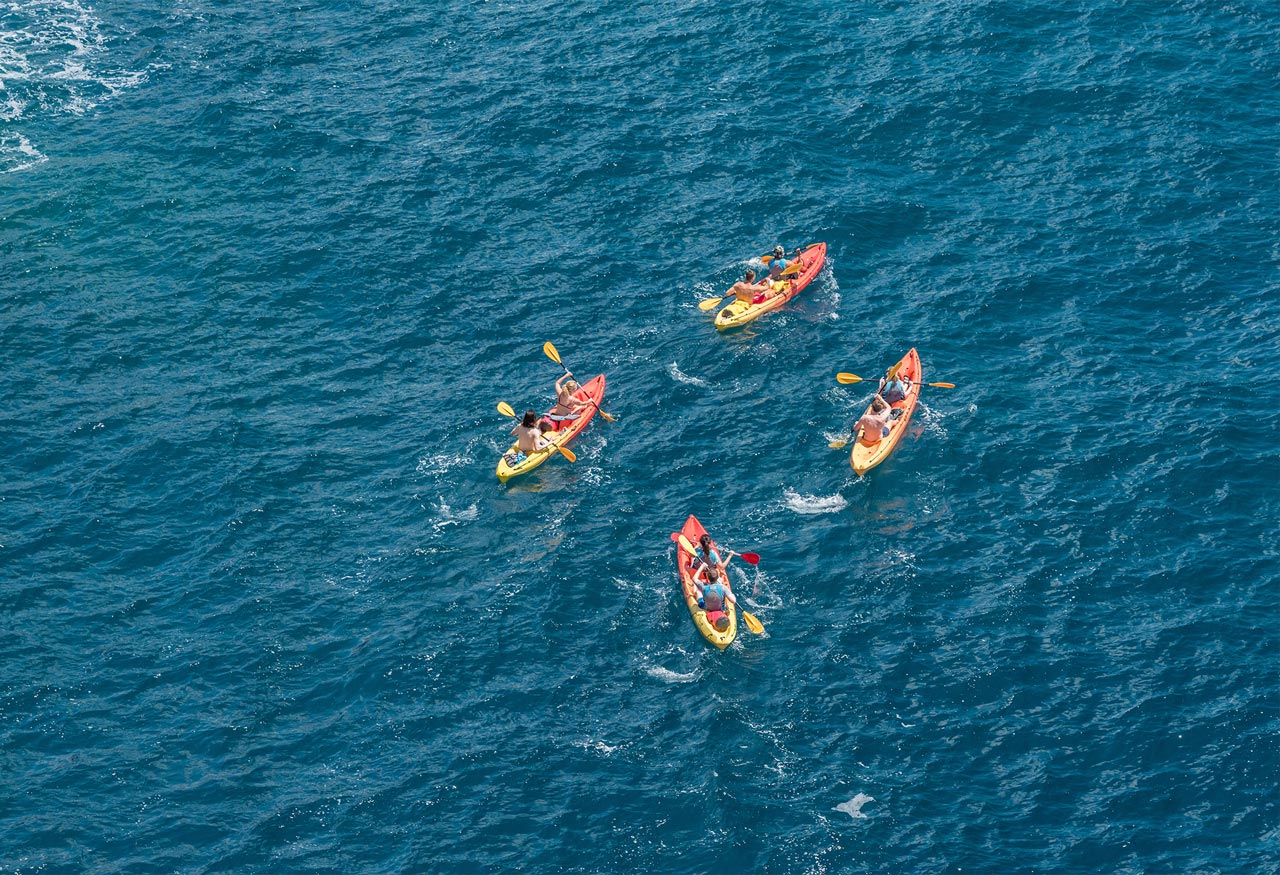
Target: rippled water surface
point(269, 272)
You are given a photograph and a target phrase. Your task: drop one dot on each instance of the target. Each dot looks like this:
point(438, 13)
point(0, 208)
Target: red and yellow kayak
point(739, 313)
point(693, 530)
point(863, 457)
point(514, 463)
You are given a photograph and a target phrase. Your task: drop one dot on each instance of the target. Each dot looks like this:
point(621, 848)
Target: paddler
point(567, 407)
point(777, 264)
point(529, 438)
point(714, 595)
point(893, 390)
point(747, 289)
point(874, 424)
point(707, 555)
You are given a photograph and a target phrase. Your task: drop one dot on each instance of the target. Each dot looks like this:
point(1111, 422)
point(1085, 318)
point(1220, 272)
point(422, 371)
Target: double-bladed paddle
point(846, 379)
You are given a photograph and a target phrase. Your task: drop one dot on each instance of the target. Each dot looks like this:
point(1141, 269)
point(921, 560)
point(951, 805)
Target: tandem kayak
point(739, 313)
point(514, 463)
point(693, 530)
point(863, 457)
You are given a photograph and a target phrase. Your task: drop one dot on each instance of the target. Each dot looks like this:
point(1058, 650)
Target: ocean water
point(269, 270)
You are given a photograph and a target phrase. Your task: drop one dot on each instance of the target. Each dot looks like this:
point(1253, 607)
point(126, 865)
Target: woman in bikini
point(567, 407)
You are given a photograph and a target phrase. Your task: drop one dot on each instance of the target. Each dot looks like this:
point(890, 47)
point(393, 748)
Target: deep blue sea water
point(268, 271)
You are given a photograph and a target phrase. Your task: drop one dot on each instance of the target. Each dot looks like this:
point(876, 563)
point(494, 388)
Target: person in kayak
point(567, 408)
point(777, 264)
point(747, 289)
point(874, 424)
point(706, 554)
point(529, 437)
point(894, 390)
point(713, 596)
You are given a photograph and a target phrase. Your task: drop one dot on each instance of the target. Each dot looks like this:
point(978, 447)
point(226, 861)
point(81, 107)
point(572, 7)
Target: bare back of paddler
point(529, 438)
point(747, 289)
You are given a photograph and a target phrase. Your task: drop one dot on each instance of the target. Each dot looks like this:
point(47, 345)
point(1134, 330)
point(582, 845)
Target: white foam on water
point(596, 746)
point(931, 421)
point(636, 584)
point(448, 516)
point(51, 62)
point(17, 153)
point(438, 464)
point(853, 807)
point(814, 504)
point(759, 594)
point(828, 277)
point(680, 376)
point(12, 108)
point(669, 676)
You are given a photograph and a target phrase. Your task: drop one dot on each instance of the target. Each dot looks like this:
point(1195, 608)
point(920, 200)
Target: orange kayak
point(865, 456)
point(693, 530)
point(740, 313)
point(513, 463)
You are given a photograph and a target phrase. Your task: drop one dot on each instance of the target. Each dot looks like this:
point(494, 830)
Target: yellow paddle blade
point(711, 303)
point(792, 268)
point(752, 623)
point(551, 351)
point(943, 385)
point(505, 409)
point(567, 453)
point(607, 417)
point(848, 378)
point(839, 445)
point(889, 374)
point(685, 545)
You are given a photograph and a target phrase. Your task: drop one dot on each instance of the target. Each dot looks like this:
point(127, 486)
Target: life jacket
point(713, 597)
point(894, 392)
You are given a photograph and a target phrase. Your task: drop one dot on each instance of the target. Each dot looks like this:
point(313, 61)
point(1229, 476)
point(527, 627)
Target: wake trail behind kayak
point(813, 504)
point(680, 376)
